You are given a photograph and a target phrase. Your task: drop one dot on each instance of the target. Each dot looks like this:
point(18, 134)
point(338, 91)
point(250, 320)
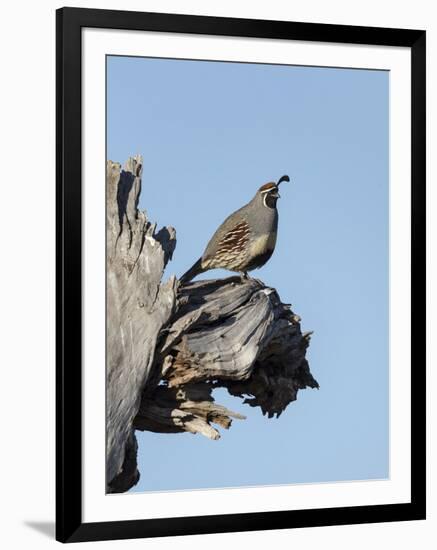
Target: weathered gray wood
point(225, 333)
point(138, 306)
point(169, 346)
point(189, 408)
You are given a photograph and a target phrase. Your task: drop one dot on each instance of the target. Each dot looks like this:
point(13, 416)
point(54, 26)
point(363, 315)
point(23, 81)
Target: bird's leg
point(244, 276)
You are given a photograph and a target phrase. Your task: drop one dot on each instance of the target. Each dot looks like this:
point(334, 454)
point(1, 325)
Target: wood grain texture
point(138, 306)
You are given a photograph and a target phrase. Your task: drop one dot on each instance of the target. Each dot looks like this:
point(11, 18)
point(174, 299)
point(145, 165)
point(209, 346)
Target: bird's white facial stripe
point(268, 190)
point(265, 199)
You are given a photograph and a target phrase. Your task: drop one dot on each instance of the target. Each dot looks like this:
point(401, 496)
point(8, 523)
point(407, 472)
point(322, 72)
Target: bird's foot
point(244, 276)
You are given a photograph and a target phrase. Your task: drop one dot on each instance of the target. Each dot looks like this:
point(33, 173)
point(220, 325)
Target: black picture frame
point(69, 525)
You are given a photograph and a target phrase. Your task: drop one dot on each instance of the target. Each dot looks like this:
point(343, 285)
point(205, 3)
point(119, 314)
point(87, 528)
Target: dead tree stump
point(169, 346)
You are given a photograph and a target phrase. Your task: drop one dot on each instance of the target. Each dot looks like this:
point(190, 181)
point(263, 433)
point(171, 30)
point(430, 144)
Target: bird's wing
point(230, 241)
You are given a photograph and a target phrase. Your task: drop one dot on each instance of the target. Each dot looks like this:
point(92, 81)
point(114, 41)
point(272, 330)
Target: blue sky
point(211, 133)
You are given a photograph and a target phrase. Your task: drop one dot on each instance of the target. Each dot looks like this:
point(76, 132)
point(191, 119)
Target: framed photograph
point(240, 274)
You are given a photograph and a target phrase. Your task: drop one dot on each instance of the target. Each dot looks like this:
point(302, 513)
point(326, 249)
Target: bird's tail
point(192, 272)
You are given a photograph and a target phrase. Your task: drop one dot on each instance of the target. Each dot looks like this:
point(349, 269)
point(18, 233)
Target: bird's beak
point(276, 195)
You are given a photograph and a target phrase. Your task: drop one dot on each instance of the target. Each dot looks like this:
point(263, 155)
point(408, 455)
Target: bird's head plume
point(283, 178)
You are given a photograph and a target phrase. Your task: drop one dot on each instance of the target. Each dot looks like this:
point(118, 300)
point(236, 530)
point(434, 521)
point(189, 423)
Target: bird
point(246, 239)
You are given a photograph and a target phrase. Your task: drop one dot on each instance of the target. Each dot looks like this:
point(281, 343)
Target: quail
point(246, 239)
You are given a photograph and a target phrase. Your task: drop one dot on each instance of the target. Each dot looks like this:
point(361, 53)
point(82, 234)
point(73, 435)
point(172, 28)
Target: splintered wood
point(229, 334)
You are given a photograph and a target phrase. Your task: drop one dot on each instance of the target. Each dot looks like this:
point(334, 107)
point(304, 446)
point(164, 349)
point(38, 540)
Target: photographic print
point(247, 265)
point(240, 274)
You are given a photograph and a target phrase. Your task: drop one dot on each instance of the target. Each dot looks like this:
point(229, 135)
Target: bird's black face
point(271, 198)
point(269, 194)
